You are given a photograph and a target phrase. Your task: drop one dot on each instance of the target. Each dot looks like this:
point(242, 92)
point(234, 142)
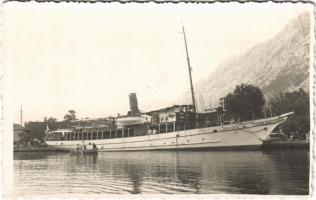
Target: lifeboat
point(132, 120)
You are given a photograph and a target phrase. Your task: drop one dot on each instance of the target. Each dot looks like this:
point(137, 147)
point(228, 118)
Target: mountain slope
point(279, 64)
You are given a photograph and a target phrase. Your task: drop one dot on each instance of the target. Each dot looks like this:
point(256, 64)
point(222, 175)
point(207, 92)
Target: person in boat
point(94, 146)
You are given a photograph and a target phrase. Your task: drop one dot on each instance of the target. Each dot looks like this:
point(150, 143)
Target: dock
point(36, 149)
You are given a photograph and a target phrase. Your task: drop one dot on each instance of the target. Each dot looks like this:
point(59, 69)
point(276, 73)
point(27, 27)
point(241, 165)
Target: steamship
point(177, 127)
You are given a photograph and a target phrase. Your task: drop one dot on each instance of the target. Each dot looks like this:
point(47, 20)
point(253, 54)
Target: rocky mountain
point(279, 64)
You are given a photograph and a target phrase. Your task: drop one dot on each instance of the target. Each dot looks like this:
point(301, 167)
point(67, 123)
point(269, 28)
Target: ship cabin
point(182, 117)
point(59, 135)
point(170, 119)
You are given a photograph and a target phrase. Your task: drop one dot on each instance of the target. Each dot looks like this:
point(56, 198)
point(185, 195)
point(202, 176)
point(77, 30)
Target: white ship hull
point(249, 134)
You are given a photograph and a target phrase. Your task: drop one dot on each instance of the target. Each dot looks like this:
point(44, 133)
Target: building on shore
point(19, 134)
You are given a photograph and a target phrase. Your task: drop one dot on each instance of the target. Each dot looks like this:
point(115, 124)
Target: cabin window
point(79, 135)
point(100, 134)
point(180, 127)
point(106, 135)
point(103, 135)
point(170, 127)
point(85, 137)
point(119, 134)
point(94, 135)
point(125, 132)
point(51, 136)
point(131, 132)
point(89, 136)
point(113, 134)
point(71, 136)
point(163, 128)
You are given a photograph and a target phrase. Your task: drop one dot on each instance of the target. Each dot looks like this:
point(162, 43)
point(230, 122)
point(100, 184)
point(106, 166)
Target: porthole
point(188, 140)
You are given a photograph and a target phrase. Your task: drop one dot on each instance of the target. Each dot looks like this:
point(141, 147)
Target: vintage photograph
point(112, 98)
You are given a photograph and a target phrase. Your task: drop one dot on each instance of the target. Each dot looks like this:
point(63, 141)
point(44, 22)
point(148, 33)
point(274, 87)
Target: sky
point(89, 57)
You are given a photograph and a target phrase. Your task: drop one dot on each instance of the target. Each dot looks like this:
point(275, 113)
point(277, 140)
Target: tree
point(50, 119)
point(71, 115)
point(245, 103)
point(297, 101)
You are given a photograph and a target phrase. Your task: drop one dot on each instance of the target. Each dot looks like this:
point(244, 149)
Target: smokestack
point(133, 104)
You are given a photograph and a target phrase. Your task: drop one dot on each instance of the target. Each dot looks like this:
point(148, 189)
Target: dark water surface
point(208, 172)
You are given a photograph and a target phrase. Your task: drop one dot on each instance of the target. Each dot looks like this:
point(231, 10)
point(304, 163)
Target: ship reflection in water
point(208, 172)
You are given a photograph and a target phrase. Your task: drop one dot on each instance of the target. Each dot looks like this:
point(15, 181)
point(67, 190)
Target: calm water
point(246, 172)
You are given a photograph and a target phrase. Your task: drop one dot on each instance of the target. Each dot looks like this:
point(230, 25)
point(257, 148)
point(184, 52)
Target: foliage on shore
point(37, 129)
point(297, 101)
point(247, 102)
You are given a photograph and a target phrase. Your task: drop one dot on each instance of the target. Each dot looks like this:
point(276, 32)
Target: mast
point(21, 112)
point(190, 69)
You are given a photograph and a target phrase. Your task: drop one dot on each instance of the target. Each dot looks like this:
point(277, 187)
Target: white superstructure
point(249, 134)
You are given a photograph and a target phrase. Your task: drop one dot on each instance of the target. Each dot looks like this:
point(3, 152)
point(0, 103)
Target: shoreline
point(36, 149)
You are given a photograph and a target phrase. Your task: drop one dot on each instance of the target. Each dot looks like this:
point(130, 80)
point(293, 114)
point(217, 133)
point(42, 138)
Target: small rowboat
point(84, 150)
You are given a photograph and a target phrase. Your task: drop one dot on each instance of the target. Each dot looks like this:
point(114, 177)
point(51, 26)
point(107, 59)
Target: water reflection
point(247, 172)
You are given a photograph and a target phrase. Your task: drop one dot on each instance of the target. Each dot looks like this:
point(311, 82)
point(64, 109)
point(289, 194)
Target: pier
point(36, 149)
